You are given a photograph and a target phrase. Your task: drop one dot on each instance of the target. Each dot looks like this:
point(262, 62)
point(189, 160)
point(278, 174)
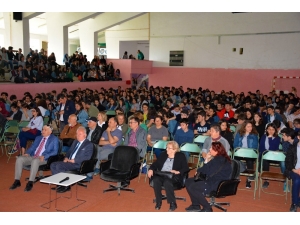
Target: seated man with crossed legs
point(37, 154)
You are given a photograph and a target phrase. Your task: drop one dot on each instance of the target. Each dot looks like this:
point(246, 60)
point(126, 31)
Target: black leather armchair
point(124, 166)
point(46, 167)
point(176, 185)
point(87, 166)
point(226, 187)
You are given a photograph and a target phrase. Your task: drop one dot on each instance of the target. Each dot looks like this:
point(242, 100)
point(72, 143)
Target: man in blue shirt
point(184, 135)
point(201, 127)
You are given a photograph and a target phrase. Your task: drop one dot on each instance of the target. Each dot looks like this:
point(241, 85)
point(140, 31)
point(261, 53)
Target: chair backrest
point(273, 155)
point(246, 153)
point(95, 151)
point(190, 147)
point(13, 129)
point(46, 120)
point(110, 113)
point(23, 124)
point(232, 128)
point(200, 139)
point(11, 123)
point(60, 146)
point(160, 144)
point(235, 166)
point(124, 157)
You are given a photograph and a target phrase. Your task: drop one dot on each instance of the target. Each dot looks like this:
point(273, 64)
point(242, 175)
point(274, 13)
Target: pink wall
point(236, 80)
point(20, 89)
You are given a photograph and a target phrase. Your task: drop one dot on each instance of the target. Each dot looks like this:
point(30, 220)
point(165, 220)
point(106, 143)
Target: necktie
point(38, 151)
point(75, 150)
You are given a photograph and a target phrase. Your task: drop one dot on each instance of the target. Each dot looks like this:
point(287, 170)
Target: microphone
point(63, 180)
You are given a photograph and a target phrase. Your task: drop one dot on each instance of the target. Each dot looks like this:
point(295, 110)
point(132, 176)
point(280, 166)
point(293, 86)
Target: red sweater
point(222, 112)
point(3, 109)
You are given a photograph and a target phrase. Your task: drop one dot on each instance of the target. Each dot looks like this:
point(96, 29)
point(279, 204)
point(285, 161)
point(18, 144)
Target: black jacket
point(179, 164)
point(215, 173)
point(96, 135)
point(290, 159)
point(17, 116)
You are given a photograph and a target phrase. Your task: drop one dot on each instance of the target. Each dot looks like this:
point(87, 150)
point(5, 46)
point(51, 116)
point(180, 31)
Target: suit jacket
point(30, 75)
point(17, 116)
point(51, 147)
point(68, 110)
point(84, 152)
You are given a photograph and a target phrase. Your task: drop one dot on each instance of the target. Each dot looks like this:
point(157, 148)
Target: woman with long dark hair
point(217, 167)
point(81, 114)
point(259, 124)
point(32, 130)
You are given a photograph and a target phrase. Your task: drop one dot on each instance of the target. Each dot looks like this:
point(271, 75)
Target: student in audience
point(91, 109)
point(272, 115)
point(15, 113)
point(122, 126)
point(102, 120)
point(293, 172)
point(259, 124)
point(269, 141)
point(81, 114)
point(201, 127)
point(156, 133)
point(31, 131)
point(225, 132)
point(247, 137)
point(295, 114)
point(241, 119)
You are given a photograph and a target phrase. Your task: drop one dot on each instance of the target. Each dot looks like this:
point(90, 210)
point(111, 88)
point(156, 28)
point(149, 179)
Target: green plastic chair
point(23, 124)
point(9, 143)
point(158, 144)
point(46, 120)
point(193, 149)
point(232, 128)
point(110, 113)
point(253, 154)
point(200, 139)
point(11, 123)
point(275, 156)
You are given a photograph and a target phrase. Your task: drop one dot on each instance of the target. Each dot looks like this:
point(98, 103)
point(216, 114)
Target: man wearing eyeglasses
point(37, 154)
point(137, 136)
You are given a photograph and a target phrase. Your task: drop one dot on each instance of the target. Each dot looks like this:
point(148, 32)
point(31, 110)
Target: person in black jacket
point(217, 168)
point(226, 133)
point(292, 171)
point(172, 161)
point(94, 132)
point(15, 113)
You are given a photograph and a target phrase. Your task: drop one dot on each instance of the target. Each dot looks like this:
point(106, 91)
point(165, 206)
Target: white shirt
point(43, 110)
point(61, 118)
point(80, 143)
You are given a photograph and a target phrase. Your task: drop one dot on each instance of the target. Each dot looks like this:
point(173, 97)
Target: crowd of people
point(145, 116)
point(38, 66)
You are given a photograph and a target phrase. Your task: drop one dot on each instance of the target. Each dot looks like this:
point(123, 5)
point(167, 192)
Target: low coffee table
point(55, 179)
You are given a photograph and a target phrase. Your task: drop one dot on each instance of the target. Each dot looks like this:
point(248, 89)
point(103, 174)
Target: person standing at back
point(66, 108)
point(140, 55)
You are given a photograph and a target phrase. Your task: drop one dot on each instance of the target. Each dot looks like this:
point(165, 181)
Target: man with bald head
point(80, 150)
point(37, 154)
point(69, 132)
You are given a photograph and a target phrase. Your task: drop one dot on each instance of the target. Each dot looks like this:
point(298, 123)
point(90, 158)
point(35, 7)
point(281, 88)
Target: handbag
point(164, 174)
point(33, 131)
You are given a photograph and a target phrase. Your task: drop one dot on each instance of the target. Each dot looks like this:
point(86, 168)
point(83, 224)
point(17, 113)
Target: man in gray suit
point(37, 154)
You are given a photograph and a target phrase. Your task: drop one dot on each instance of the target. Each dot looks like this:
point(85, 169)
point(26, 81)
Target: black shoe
point(193, 208)
point(248, 184)
point(265, 184)
point(158, 206)
point(293, 208)
point(29, 186)
point(173, 206)
point(16, 184)
point(63, 189)
point(206, 210)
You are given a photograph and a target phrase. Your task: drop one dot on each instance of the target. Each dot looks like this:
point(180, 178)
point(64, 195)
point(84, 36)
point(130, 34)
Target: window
point(1, 40)
point(35, 44)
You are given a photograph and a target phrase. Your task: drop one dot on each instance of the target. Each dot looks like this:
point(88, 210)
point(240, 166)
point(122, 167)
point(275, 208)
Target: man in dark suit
point(66, 108)
point(80, 150)
point(37, 154)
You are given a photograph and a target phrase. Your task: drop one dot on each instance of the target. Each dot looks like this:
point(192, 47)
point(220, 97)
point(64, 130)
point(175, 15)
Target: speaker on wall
point(17, 15)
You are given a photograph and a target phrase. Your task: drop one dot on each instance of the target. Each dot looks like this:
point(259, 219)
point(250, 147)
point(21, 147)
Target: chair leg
point(219, 207)
point(118, 188)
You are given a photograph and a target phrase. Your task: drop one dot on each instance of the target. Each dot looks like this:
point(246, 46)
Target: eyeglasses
point(132, 122)
point(33, 111)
